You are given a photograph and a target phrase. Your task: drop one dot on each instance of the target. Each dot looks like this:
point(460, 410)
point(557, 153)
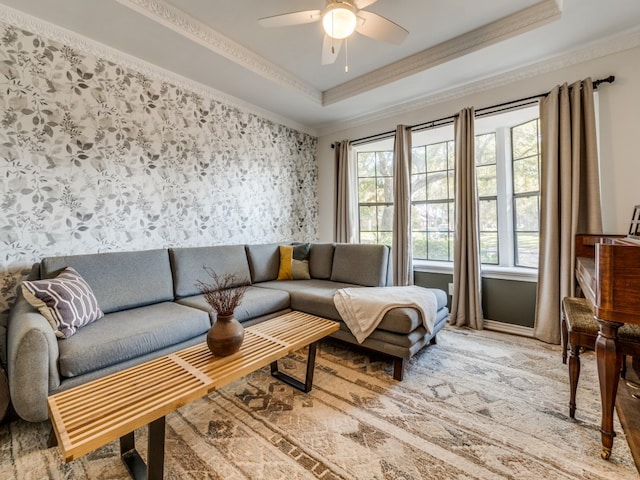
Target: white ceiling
point(451, 43)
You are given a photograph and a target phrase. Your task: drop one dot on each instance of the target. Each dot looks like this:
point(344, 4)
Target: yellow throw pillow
point(294, 262)
point(286, 258)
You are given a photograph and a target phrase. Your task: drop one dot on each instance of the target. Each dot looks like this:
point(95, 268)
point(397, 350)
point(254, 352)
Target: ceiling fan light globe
point(339, 20)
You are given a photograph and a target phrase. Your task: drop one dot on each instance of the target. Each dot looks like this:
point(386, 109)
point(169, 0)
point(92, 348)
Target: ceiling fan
point(340, 19)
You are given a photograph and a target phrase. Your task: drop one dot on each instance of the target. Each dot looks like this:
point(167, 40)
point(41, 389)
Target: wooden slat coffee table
point(89, 416)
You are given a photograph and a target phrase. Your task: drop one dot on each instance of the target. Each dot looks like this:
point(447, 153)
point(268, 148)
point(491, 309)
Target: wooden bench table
point(90, 416)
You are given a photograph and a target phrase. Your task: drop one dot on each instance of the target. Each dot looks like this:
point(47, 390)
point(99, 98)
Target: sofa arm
point(32, 363)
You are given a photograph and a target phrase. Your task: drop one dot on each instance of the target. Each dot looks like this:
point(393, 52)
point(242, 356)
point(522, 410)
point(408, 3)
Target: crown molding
point(184, 24)
point(522, 21)
point(79, 42)
point(610, 46)
point(198, 32)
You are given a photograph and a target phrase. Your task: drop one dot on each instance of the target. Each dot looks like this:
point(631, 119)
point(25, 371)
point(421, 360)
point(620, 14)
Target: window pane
point(437, 216)
point(438, 246)
point(485, 149)
point(419, 245)
point(488, 215)
point(486, 181)
point(384, 164)
point(384, 238)
point(367, 190)
point(385, 218)
point(526, 214)
point(437, 188)
point(368, 237)
point(418, 164)
point(451, 155)
point(419, 217)
point(437, 157)
point(384, 190)
point(451, 240)
point(452, 216)
point(525, 139)
point(527, 249)
point(418, 187)
point(367, 164)
point(489, 247)
point(452, 184)
point(368, 221)
point(525, 175)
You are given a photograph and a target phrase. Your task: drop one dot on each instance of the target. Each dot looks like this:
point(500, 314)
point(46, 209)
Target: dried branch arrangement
point(223, 294)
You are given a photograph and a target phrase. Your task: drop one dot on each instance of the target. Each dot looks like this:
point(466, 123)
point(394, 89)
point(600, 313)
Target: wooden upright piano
point(608, 276)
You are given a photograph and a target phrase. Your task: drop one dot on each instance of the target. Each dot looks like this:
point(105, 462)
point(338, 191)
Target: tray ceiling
point(452, 43)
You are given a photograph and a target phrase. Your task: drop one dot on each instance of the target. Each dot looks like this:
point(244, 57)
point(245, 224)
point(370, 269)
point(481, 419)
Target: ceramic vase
point(225, 336)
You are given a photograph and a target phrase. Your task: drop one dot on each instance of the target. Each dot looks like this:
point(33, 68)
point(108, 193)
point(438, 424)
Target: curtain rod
point(479, 112)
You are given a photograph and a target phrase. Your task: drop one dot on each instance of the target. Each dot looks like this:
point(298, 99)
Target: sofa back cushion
point(320, 260)
point(360, 264)
point(264, 261)
point(119, 280)
point(188, 266)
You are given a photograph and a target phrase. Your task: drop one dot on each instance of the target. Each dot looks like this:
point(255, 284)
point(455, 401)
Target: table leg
point(609, 361)
point(154, 468)
point(311, 363)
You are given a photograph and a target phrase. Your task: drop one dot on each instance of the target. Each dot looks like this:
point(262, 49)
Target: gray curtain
point(346, 226)
point(401, 250)
point(466, 305)
point(569, 196)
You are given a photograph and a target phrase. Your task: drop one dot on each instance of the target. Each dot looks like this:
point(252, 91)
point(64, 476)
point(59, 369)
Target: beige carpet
point(477, 405)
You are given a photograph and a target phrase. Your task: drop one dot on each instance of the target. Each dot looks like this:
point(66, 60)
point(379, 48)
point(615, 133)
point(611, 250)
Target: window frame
point(506, 269)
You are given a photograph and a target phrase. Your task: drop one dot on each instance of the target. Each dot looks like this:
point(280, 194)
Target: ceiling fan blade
point(375, 26)
point(360, 4)
point(294, 18)
point(330, 49)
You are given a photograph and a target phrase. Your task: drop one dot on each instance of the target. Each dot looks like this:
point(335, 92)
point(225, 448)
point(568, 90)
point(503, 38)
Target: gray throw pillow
point(66, 301)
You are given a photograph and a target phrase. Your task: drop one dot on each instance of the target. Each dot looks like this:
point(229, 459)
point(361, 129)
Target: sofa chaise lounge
point(152, 307)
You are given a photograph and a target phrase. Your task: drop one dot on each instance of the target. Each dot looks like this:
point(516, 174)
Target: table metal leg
point(154, 468)
point(609, 361)
point(311, 363)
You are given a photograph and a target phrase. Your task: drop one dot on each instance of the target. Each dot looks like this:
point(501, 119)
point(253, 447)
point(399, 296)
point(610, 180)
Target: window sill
point(488, 271)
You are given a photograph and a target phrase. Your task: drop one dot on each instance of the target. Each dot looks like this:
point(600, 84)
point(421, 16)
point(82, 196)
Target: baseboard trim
point(508, 328)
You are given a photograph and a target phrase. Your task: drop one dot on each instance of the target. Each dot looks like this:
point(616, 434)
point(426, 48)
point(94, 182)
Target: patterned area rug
point(478, 405)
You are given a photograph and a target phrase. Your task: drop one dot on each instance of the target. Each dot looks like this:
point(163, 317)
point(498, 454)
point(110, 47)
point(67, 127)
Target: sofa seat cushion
point(316, 297)
point(403, 339)
point(255, 303)
point(127, 334)
point(310, 296)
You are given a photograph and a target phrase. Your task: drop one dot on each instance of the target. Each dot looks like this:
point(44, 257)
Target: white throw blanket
point(362, 309)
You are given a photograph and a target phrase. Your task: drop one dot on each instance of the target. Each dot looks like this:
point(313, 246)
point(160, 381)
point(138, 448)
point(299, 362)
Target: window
point(432, 207)
point(375, 196)
point(525, 145)
point(507, 152)
point(487, 191)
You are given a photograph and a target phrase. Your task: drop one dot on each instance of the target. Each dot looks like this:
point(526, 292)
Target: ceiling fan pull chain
point(346, 56)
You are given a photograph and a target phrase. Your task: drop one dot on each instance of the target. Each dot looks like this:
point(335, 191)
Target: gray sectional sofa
point(152, 307)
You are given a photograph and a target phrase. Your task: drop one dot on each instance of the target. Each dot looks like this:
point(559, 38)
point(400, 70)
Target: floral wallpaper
point(98, 157)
